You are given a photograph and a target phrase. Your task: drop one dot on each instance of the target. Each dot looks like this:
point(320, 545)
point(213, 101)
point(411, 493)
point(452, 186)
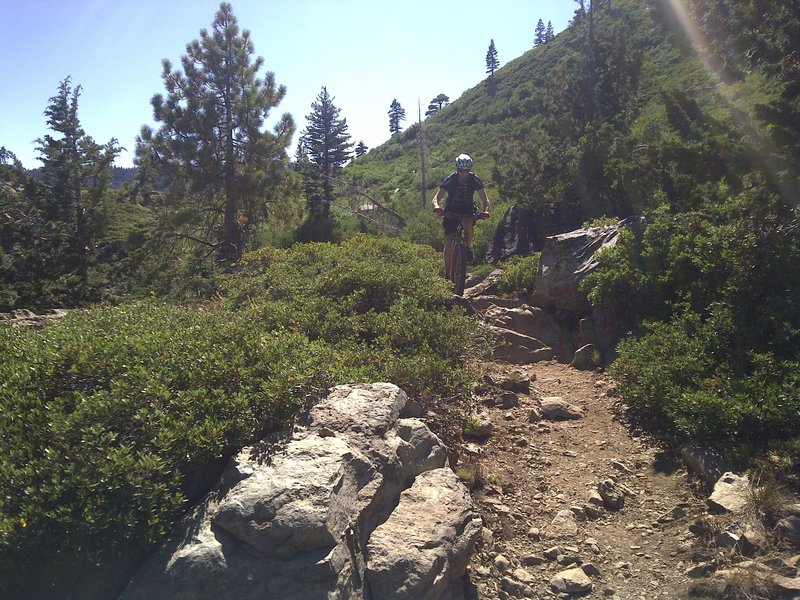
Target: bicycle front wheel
point(460, 272)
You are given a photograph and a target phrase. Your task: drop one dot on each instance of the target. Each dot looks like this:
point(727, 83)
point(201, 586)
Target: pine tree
point(327, 146)
point(361, 148)
point(396, 114)
point(580, 12)
point(492, 63)
point(212, 131)
point(539, 39)
point(437, 104)
point(549, 35)
point(76, 174)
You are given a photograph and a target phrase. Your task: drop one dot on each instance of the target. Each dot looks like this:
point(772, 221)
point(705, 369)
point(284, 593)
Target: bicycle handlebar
point(441, 212)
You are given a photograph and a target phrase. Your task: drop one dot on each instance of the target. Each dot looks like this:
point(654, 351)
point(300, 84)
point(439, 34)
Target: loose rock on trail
point(573, 503)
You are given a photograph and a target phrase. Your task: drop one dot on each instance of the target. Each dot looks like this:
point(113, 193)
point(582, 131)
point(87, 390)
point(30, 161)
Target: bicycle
point(456, 270)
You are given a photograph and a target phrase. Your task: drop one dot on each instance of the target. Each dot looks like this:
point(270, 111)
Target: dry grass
point(735, 584)
point(769, 499)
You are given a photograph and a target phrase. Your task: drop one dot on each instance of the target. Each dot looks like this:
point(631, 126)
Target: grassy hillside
point(588, 125)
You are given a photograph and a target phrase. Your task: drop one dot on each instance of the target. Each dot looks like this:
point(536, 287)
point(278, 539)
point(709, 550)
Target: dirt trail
point(537, 474)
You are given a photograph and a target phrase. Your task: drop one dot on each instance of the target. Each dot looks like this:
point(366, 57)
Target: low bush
point(676, 377)
point(107, 416)
point(106, 413)
point(718, 290)
point(378, 297)
point(520, 273)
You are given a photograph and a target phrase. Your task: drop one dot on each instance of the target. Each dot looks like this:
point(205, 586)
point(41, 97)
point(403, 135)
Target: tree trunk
point(232, 235)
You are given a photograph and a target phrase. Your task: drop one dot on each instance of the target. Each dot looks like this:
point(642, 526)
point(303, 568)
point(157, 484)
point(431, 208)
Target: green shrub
point(378, 302)
point(679, 377)
point(105, 414)
point(481, 271)
point(520, 273)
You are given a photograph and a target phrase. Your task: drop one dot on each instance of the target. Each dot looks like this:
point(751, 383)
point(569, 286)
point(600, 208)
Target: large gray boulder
point(566, 259)
point(517, 348)
point(330, 512)
point(517, 234)
point(419, 553)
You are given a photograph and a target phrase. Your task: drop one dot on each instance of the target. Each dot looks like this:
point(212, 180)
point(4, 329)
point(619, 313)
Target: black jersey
point(460, 197)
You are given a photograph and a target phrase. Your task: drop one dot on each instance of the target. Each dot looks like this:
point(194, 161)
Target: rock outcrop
point(566, 259)
point(359, 504)
point(516, 235)
point(26, 318)
point(557, 321)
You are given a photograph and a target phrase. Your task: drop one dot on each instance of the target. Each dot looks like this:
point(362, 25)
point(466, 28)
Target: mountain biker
point(460, 206)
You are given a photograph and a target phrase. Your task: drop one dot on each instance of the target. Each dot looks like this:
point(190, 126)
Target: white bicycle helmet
point(463, 161)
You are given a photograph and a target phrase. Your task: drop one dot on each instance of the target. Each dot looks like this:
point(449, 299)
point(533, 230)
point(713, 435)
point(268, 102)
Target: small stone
point(501, 563)
point(700, 570)
point(325, 432)
point(486, 535)
point(595, 498)
point(563, 524)
point(524, 576)
point(753, 540)
point(590, 570)
point(532, 560)
point(514, 589)
point(516, 381)
point(507, 400)
point(621, 466)
point(555, 408)
point(788, 528)
point(570, 558)
point(592, 512)
point(479, 426)
point(731, 494)
point(730, 537)
point(571, 581)
point(552, 553)
point(579, 512)
point(612, 494)
point(483, 571)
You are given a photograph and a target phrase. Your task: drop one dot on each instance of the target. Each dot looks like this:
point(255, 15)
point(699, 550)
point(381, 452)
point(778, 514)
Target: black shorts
point(454, 216)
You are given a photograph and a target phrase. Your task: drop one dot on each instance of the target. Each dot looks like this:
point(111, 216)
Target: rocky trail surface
point(575, 503)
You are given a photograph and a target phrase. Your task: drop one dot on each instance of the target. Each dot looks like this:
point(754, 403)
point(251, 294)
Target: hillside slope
point(625, 110)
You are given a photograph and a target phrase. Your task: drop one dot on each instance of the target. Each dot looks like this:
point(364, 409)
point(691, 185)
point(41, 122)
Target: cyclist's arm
point(436, 197)
point(484, 199)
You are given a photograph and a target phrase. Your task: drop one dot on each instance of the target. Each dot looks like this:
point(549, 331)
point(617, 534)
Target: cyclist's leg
point(469, 230)
point(448, 257)
point(450, 237)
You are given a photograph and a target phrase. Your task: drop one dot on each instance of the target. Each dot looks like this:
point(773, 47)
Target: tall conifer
point(539, 38)
point(492, 63)
point(212, 131)
point(327, 145)
point(396, 114)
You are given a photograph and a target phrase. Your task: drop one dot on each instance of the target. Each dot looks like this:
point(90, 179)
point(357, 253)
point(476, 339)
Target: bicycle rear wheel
point(460, 274)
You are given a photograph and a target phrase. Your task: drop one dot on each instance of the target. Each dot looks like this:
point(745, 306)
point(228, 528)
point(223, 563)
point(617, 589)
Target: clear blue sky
point(366, 52)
